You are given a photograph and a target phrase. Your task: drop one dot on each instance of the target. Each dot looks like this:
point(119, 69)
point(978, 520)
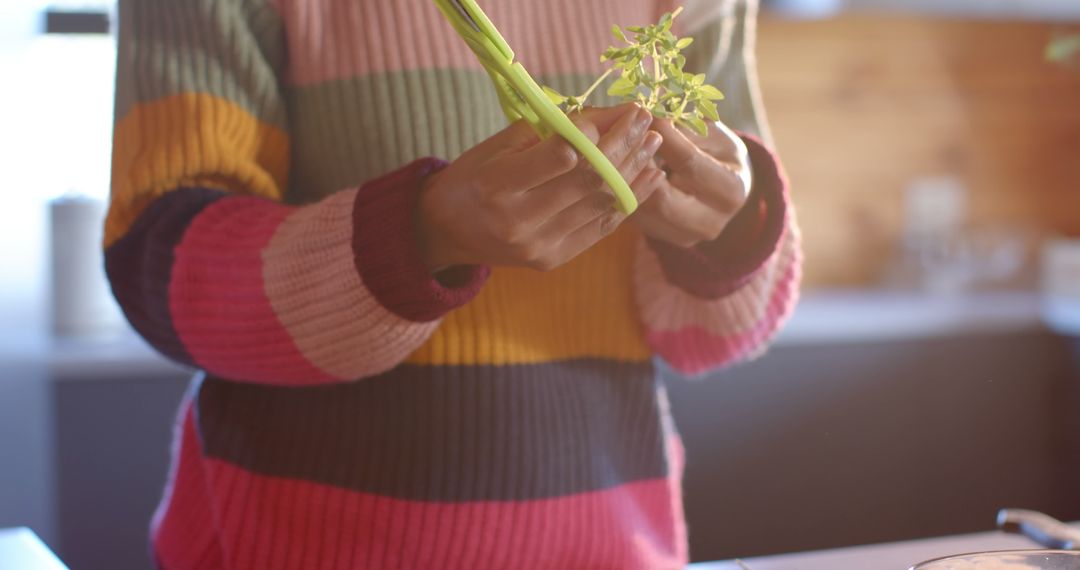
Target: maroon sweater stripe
point(448, 434)
point(386, 249)
point(140, 266)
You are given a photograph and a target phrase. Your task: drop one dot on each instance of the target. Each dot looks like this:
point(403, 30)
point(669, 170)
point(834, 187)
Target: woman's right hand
point(517, 200)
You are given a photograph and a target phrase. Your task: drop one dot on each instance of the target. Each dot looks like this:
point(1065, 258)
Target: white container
point(81, 301)
point(1060, 285)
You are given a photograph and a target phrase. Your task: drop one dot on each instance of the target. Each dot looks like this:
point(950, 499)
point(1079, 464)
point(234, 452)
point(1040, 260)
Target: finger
point(518, 160)
point(551, 198)
point(697, 173)
point(517, 136)
point(596, 229)
point(641, 169)
point(678, 151)
point(654, 224)
point(520, 171)
point(714, 183)
point(596, 209)
point(627, 135)
point(659, 229)
point(604, 118)
point(684, 219)
point(649, 181)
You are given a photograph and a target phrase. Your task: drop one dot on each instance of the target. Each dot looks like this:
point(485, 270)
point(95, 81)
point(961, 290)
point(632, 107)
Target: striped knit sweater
point(355, 412)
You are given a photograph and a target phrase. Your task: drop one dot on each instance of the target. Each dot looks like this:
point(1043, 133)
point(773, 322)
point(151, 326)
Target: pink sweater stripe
point(332, 528)
point(218, 304)
point(702, 345)
point(319, 297)
point(409, 35)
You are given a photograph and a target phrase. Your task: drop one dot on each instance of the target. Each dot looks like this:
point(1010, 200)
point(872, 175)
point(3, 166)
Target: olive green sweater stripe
point(439, 113)
point(238, 57)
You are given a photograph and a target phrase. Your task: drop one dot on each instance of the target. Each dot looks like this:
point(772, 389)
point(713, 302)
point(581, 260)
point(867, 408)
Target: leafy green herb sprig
point(650, 71)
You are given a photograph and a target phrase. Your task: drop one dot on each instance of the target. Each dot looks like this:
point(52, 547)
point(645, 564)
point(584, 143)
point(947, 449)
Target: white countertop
point(891, 556)
point(871, 316)
point(21, 549)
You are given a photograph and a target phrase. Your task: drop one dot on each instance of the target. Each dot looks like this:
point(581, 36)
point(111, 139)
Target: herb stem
point(596, 84)
point(654, 97)
point(682, 106)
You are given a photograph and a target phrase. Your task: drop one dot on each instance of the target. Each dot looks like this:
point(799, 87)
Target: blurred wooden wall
point(863, 104)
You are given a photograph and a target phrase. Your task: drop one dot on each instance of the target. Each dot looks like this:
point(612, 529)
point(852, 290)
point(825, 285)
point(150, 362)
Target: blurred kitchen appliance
point(941, 252)
point(81, 302)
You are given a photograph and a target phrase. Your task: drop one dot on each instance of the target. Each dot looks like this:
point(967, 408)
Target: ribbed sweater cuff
point(720, 267)
point(388, 256)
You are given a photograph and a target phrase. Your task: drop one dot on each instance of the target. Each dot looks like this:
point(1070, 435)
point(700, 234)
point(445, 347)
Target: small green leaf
point(698, 125)
point(621, 87)
point(554, 96)
point(698, 80)
point(636, 29)
point(618, 33)
point(710, 92)
point(684, 43)
point(708, 108)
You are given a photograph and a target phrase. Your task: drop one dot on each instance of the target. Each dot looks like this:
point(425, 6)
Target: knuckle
point(495, 205)
point(609, 223)
point(641, 159)
point(527, 253)
point(599, 205)
point(623, 147)
point(508, 232)
point(563, 156)
point(543, 264)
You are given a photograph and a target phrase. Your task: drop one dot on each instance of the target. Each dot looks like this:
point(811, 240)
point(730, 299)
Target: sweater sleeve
point(207, 262)
point(710, 306)
point(714, 305)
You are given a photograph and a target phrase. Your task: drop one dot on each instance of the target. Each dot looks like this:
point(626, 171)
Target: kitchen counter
point(869, 316)
point(897, 555)
point(820, 318)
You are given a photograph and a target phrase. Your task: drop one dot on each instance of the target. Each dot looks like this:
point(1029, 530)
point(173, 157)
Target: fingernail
point(643, 120)
point(652, 142)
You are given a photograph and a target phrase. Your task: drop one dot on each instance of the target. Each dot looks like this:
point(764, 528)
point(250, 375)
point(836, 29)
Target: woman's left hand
point(702, 183)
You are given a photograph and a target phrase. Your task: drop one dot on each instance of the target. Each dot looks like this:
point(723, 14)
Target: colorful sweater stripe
point(355, 411)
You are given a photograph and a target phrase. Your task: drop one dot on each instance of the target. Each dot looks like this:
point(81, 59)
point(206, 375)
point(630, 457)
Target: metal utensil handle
point(1041, 528)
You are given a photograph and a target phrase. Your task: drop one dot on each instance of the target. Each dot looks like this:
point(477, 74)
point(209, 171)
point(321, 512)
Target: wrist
point(430, 238)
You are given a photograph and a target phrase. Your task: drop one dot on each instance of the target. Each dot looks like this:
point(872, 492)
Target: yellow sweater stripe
point(526, 317)
point(191, 139)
